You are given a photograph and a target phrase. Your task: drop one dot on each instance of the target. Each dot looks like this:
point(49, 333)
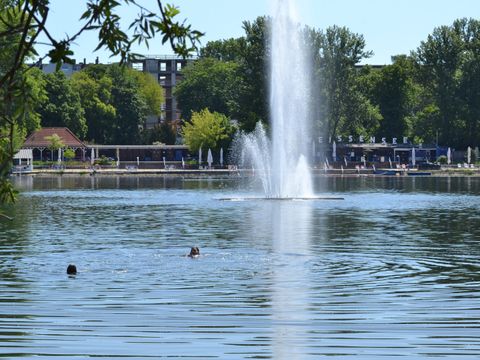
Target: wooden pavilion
point(39, 143)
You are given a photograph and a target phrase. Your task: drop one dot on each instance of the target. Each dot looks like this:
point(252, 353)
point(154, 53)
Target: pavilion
point(38, 142)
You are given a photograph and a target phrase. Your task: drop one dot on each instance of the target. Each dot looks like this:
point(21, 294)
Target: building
point(168, 72)
point(39, 143)
point(151, 156)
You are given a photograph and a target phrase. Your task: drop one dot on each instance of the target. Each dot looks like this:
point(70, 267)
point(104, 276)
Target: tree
point(207, 130)
point(448, 71)
point(117, 114)
point(62, 107)
point(254, 95)
point(210, 83)
point(151, 92)
point(163, 133)
point(225, 50)
point(394, 90)
point(342, 109)
point(96, 100)
point(69, 154)
point(439, 60)
point(251, 53)
point(55, 143)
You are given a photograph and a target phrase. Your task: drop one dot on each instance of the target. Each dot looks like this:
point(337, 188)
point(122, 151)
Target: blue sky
point(389, 27)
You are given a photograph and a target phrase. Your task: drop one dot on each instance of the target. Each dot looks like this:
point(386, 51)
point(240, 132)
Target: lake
point(392, 270)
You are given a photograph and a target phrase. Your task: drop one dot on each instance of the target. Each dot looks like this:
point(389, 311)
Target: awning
point(24, 154)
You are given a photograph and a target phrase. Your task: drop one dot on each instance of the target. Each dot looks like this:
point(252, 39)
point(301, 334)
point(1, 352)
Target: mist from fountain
point(281, 163)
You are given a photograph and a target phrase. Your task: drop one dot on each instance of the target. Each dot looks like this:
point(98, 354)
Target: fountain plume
point(281, 163)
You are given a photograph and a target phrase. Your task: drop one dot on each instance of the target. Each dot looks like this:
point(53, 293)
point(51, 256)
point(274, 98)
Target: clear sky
point(390, 27)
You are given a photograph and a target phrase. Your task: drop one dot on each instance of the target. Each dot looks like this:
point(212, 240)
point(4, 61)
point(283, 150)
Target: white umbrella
point(200, 157)
point(390, 162)
point(334, 151)
point(449, 156)
point(209, 158)
point(164, 163)
point(469, 155)
point(221, 156)
point(413, 156)
point(183, 163)
point(92, 156)
point(59, 155)
point(345, 159)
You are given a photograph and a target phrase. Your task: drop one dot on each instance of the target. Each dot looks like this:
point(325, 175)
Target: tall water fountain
point(281, 161)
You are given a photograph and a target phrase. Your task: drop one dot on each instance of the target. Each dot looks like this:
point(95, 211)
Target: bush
point(104, 161)
point(442, 159)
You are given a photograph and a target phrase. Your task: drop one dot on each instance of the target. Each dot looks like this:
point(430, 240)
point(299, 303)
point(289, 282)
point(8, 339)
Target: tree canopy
point(207, 130)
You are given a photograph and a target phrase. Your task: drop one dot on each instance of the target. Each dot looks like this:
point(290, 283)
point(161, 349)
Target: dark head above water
point(71, 269)
point(194, 252)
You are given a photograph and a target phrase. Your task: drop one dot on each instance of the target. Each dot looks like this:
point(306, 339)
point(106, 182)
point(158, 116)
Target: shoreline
point(445, 172)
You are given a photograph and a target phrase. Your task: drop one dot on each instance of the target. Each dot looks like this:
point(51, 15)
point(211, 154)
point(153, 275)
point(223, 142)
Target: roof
point(140, 147)
point(37, 138)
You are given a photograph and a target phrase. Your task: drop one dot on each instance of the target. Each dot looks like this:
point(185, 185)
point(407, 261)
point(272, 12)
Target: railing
point(164, 57)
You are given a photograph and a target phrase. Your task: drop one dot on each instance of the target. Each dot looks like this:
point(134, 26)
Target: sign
point(362, 139)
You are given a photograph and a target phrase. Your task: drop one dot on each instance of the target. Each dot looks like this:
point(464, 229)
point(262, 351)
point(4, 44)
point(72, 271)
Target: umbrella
point(449, 156)
point(164, 163)
point(390, 162)
point(345, 159)
point(199, 156)
point(183, 163)
point(59, 155)
point(221, 156)
point(209, 158)
point(334, 151)
point(92, 156)
point(469, 154)
point(413, 156)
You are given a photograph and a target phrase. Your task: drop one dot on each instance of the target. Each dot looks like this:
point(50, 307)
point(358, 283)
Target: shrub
point(442, 159)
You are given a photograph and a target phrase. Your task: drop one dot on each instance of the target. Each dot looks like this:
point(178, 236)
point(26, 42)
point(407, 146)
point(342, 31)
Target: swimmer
point(71, 269)
point(194, 252)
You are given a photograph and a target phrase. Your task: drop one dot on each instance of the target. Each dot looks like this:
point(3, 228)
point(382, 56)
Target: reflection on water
point(288, 224)
point(391, 271)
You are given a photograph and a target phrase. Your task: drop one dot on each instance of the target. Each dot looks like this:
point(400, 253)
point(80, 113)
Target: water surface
point(393, 270)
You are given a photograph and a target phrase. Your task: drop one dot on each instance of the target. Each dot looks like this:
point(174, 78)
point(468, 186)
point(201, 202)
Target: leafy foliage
point(55, 142)
point(210, 83)
point(207, 130)
point(343, 109)
point(62, 107)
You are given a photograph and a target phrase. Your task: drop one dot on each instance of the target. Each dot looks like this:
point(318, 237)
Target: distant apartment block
point(168, 72)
